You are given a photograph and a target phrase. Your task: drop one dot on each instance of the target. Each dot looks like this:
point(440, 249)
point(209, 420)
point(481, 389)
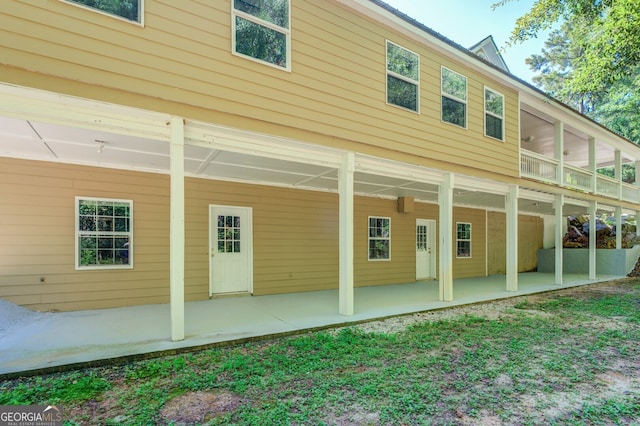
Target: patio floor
point(46, 340)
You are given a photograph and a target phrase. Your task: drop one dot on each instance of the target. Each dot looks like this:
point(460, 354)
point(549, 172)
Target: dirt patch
point(197, 407)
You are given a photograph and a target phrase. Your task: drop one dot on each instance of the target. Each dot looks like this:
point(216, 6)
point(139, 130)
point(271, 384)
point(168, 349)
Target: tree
point(128, 9)
point(610, 48)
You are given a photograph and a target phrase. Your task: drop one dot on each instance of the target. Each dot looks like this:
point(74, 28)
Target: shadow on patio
point(34, 341)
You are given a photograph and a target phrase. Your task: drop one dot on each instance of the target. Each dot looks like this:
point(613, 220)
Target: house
point(177, 151)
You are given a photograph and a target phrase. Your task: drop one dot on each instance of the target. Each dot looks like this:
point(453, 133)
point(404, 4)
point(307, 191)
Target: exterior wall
point(37, 228)
point(180, 62)
point(530, 236)
point(476, 265)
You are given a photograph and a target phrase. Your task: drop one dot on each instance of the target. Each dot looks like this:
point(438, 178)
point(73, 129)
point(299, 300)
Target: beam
point(346, 197)
point(511, 206)
point(176, 228)
point(445, 201)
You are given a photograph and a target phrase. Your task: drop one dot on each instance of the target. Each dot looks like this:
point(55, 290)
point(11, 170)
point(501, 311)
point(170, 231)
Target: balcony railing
point(539, 167)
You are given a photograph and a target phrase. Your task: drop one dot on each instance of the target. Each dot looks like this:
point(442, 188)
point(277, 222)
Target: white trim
point(258, 21)
point(139, 22)
point(470, 240)
point(176, 227)
point(455, 98)
point(406, 79)
point(501, 117)
point(129, 234)
point(346, 234)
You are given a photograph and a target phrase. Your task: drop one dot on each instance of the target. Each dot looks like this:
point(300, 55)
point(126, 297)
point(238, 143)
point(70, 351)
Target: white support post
point(593, 165)
point(345, 189)
point(618, 227)
point(558, 136)
point(593, 211)
point(618, 172)
point(445, 201)
point(558, 206)
point(176, 228)
point(511, 205)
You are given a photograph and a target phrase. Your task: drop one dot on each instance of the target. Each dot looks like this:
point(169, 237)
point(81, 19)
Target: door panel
point(425, 249)
point(230, 249)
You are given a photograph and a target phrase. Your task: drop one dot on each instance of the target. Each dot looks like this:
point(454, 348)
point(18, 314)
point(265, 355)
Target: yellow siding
point(530, 232)
point(474, 266)
point(335, 91)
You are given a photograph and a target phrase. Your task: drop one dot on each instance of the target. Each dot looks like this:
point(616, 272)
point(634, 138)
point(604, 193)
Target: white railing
point(577, 178)
point(607, 186)
point(538, 166)
point(630, 192)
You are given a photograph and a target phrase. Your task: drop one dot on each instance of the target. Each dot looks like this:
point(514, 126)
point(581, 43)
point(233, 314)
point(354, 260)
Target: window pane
point(454, 84)
point(453, 111)
point(464, 249)
point(402, 93)
point(493, 126)
point(403, 62)
point(128, 9)
point(379, 249)
point(494, 103)
point(274, 11)
point(260, 42)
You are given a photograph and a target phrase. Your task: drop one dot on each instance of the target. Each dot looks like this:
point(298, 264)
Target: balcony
point(545, 169)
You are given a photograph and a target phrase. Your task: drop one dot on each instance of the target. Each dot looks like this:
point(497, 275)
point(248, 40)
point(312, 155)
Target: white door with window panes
point(425, 249)
point(230, 250)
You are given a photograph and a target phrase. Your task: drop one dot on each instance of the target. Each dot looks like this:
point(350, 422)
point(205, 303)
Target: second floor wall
point(332, 90)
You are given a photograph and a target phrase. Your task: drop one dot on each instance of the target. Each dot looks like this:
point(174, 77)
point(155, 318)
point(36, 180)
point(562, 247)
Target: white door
point(425, 249)
point(230, 250)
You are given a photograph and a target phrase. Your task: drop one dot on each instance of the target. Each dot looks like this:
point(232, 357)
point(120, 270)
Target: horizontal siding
point(476, 265)
point(530, 233)
point(336, 89)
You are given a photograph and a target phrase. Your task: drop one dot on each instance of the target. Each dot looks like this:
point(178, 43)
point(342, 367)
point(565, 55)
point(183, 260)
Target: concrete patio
point(41, 341)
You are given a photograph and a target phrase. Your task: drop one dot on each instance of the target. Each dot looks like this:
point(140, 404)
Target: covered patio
point(33, 341)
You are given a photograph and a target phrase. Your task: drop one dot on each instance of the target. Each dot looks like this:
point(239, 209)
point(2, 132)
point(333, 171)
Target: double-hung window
point(130, 10)
point(454, 98)
point(104, 233)
point(463, 239)
point(403, 77)
point(379, 238)
point(261, 31)
point(493, 114)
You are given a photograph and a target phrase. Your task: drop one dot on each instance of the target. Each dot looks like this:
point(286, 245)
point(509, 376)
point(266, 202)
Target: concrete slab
point(46, 340)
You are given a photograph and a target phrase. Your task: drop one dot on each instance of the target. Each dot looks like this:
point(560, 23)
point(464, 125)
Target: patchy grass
point(566, 358)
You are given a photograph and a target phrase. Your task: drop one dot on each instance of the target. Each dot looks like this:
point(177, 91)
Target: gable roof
point(487, 49)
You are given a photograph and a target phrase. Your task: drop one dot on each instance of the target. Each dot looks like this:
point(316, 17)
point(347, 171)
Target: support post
point(445, 201)
point(618, 227)
point(346, 196)
point(593, 165)
point(176, 228)
point(558, 206)
point(512, 237)
point(618, 172)
point(558, 135)
point(593, 211)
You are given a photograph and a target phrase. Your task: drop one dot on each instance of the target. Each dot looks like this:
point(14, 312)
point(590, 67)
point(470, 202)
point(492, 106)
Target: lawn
point(569, 357)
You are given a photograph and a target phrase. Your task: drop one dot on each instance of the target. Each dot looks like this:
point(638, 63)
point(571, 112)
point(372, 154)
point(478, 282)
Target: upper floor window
point(261, 31)
point(493, 114)
point(104, 233)
point(379, 238)
point(463, 239)
point(403, 77)
point(454, 98)
point(127, 9)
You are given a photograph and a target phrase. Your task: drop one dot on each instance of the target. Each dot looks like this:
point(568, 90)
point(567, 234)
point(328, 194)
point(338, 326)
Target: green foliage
point(73, 388)
point(128, 9)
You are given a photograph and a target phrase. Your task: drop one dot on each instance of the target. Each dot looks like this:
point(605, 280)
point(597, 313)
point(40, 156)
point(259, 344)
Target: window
point(493, 114)
point(379, 238)
point(403, 77)
point(454, 98)
point(261, 31)
point(463, 240)
point(130, 10)
point(104, 233)
point(228, 234)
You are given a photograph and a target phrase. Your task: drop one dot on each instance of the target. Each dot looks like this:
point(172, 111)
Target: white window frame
point(486, 112)
point(79, 233)
point(370, 238)
point(286, 31)
point(469, 240)
point(139, 22)
point(401, 77)
point(453, 97)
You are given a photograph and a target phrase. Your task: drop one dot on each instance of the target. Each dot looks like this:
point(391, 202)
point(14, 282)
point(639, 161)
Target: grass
point(566, 358)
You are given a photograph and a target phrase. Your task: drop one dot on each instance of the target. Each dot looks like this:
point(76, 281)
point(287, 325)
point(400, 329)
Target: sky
point(467, 22)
